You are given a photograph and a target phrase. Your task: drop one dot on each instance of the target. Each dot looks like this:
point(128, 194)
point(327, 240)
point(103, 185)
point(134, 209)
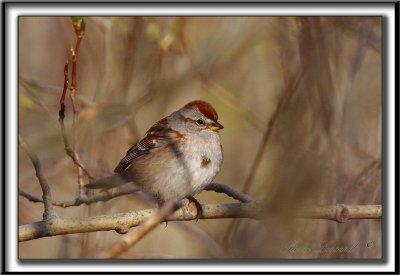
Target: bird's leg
point(199, 208)
point(160, 204)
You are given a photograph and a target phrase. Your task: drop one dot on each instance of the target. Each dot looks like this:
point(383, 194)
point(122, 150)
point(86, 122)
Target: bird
point(177, 157)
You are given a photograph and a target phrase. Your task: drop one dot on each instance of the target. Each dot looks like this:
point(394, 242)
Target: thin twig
point(84, 199)
point(123, 221)
point(48, 207)
point(61, 115)
point(79, 27)
point(73, 88)
point(148, 225)
point(223, 188)
point(61, 112)
point(128, 189)
point(71, 153)
point(32, 90)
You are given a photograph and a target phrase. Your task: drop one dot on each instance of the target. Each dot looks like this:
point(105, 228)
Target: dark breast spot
point(205, 162)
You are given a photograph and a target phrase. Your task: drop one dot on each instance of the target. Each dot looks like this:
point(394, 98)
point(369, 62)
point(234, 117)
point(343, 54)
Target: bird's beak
point(215, 126)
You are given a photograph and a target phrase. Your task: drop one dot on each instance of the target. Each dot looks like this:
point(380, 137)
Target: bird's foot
point(199, 208)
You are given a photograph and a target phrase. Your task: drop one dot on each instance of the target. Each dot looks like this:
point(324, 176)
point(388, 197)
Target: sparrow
point(177, 157)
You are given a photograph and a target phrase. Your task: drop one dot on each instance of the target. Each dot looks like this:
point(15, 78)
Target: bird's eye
point(200, 122)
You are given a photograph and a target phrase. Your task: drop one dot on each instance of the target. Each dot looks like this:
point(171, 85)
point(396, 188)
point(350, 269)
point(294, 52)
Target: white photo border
point(11, 12)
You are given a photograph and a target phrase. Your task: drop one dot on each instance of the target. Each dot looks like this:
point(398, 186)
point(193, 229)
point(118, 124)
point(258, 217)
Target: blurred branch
point(290, 87)
point(123, 221)
point(48, 207)
point(205, 238)
point(217, 90)
point(148, 225)
point(229, 99)
point(33, 86)
point(213, 87)
point(363, 28)
point(31, 91)
point(291, 84)
point(83, 199)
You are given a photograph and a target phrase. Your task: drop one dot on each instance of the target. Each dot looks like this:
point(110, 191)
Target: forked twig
point(61, 115)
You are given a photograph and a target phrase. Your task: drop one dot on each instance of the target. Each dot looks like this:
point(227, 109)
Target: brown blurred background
point(304, 93)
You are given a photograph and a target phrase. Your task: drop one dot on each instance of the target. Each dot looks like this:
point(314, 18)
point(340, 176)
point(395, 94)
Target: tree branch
point(48, 207)
point(341, 212)
point(123, 221)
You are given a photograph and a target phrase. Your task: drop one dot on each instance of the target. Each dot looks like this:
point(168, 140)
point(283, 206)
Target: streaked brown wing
point(155, 138)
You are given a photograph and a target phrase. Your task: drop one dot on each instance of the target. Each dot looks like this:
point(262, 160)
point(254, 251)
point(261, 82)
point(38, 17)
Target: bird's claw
point(199, 208)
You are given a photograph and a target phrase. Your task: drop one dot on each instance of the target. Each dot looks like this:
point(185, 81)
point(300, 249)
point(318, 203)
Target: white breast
point(203, 159)
point(177, 171)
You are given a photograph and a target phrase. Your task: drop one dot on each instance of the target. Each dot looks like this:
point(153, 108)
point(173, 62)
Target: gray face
point(192, 121)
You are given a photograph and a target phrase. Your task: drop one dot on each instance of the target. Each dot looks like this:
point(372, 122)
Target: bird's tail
point(109, 182)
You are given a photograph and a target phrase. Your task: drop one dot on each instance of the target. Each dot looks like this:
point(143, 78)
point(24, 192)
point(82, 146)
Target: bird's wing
point(157, 137)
